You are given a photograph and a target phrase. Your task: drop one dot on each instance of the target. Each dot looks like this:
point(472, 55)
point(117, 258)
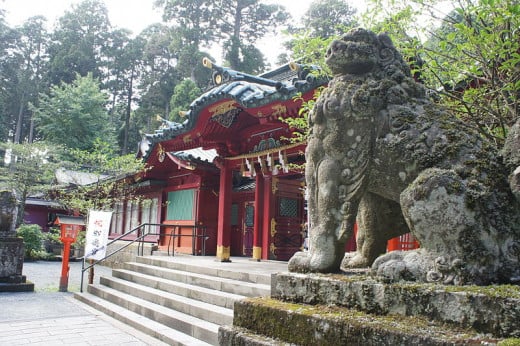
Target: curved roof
point(245, 90)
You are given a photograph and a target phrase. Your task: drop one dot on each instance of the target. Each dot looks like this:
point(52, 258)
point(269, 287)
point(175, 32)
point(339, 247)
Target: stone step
point(301, 324)
point(212, 269)
point(139, 322)
point(184, 323)
point(487, 309)
point(233, 335)
point(211, 279)
point(218, 298)
point(192, 307)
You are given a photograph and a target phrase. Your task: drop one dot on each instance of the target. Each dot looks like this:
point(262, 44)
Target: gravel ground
point(46, 275)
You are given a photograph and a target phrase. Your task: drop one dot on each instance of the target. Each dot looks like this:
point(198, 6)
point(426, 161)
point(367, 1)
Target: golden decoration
point(279, 110)
point(273, 227)
point(222, 108)
point(274, 185)
point(161, 153)
point(257, 253)
point(223, 253)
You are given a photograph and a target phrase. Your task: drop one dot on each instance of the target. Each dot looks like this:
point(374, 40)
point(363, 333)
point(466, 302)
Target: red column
point(224, 213)
point(269, 223)
point(259, 208)
point(64, 278)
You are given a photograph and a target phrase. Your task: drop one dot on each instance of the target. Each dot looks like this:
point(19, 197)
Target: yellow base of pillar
point(223, 253)
point(257, 253)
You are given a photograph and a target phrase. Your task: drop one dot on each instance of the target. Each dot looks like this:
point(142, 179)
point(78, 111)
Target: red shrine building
point(220, 183)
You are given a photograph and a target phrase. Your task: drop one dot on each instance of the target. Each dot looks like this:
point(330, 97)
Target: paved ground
point(48, 317)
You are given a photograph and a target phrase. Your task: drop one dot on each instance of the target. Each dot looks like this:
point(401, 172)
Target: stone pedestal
point(11, 248)
point(318, 309)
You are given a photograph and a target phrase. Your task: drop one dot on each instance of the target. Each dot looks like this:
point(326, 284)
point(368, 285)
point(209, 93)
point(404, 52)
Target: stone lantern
point(11, 248)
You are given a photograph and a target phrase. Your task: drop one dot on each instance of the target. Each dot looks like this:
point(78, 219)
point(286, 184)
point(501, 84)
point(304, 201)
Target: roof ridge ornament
point(222, 75)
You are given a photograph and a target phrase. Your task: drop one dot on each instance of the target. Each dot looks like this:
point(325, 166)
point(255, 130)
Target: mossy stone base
point(301, 324)
point(334, 309)
point(487, 309)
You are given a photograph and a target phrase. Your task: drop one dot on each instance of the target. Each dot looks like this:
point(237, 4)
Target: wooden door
point(249, 223)
point(287, 221)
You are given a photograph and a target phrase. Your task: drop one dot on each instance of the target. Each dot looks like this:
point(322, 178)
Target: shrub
point(33, 239)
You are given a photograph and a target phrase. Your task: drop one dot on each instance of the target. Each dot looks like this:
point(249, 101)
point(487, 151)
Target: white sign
point(96, 239)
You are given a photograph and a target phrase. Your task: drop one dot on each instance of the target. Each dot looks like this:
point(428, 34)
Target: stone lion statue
point(380, 151)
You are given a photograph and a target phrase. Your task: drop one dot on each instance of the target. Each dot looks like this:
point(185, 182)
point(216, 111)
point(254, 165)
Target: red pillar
point(269, 223)
point(224, 213)
point(64, 278)
point(259, 207)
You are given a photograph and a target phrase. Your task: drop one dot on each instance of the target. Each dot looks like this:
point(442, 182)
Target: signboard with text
point(96, 239)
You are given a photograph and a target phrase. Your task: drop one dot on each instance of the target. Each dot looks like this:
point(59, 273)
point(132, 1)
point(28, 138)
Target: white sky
point(131, 14)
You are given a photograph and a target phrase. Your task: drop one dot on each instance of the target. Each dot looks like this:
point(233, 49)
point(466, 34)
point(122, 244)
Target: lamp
point(69, 233)
point(70, 226)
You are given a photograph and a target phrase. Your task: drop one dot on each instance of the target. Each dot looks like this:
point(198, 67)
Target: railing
point(141, 234)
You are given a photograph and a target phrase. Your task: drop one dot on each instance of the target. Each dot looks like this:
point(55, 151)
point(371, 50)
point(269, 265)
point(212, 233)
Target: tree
point(326, 18)
point(125, 62)
point(31, 50)
point(74, 115)
point(79, 42)
point(8, 69)
point(472, 59)
point(241, 23)
point(113, 179)
point(29, 170)
point(183, 94)
point(321, 23)
point(194, 25)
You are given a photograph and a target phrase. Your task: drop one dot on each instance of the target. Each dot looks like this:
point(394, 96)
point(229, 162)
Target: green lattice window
point(234, 214)
point(250, 215)
point(180, 205)
point(289, 207)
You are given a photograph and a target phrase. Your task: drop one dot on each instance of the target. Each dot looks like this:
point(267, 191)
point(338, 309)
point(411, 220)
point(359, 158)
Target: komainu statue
point(380, 151)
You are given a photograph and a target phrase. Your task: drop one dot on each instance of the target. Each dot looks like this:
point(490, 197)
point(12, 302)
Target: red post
point(64, 279)
point(259, 208)
point(224, 213)
point(269, 224)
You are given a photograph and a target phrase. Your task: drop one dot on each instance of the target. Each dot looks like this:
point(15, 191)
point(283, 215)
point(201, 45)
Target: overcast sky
point(130, 14)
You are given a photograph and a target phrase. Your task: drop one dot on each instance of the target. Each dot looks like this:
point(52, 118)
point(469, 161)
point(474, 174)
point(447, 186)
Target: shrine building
point(222, 180)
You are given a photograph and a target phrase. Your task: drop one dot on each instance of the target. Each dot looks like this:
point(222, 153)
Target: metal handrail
point(140, 238)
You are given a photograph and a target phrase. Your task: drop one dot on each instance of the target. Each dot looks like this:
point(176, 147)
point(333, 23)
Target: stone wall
point(127, 254)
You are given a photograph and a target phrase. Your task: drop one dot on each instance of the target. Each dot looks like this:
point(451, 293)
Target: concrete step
point(234, 271)
point(300, 324)
point(192, 307)
point(184, 323)
point(218, 298)
point(211, 280)
point(140, 322)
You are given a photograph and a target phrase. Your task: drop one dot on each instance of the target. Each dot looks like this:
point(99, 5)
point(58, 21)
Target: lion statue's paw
point(354, 260)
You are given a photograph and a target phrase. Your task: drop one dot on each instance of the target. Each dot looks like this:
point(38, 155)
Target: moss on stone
point(300, 324)
point(492, 291)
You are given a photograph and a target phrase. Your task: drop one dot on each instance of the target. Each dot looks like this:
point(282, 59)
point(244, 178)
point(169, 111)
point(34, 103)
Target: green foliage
point(112, 177)
point(74, 115)
point(327, 18)
point(472, 58)
point(241, 25)
point(79, 41)
point(33, 239)
point(30, 170)
point(183, 94)
point(300, 124)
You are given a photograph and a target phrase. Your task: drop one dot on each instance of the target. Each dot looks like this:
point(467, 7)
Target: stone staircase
point(319, 309)
point(179, 303)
